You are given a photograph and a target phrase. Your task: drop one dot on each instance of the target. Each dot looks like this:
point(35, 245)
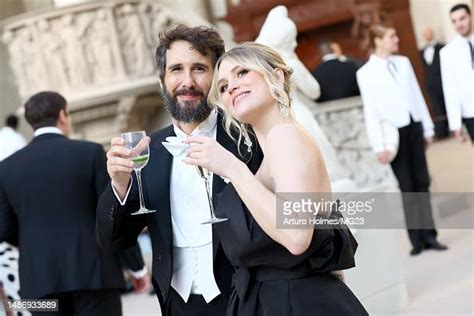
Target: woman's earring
point(247, 140)
point(284, 109)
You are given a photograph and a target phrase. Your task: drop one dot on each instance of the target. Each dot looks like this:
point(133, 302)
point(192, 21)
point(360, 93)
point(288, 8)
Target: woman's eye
point(223, 88)
point(242, 73)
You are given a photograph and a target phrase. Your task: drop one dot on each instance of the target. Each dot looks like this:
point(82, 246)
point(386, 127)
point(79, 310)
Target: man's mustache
point(192, 92)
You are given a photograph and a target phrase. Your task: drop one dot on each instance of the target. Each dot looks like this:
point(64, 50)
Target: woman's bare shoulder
point(288, 136)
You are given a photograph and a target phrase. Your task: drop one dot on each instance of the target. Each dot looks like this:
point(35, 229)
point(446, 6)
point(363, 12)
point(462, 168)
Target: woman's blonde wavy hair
point(263, 60)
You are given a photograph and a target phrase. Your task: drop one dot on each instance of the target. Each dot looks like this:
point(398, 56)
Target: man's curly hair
point(205, 40)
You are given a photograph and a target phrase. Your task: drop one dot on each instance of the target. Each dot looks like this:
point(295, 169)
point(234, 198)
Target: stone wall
point(343, 123)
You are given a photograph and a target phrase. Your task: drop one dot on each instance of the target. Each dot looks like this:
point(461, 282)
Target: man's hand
point(141, 285)
point(429, 141)
point(119, 166)
point(385, 156)
point(459, 135)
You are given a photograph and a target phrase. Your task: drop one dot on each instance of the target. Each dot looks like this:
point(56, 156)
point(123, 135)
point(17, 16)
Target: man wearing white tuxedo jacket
point(457, 62)
point(398, 127)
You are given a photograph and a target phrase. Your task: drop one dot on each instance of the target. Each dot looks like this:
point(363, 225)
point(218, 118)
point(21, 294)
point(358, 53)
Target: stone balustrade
point(343, 123)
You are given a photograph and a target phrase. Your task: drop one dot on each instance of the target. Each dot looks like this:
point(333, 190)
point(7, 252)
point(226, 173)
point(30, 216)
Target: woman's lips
point(239, 97)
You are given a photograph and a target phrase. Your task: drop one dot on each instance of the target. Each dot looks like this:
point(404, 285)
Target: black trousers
point(196, 305)
point(86, 303)
point(440, 119)
point(411, 170)
point(469, 122)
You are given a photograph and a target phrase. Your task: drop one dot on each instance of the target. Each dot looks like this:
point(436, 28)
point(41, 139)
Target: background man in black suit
point(48, 196)
point(431, 65)
point(191, 274)
point(336, 76)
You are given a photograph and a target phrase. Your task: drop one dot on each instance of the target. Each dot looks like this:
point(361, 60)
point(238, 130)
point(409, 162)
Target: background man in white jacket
point(457, 62)
point(398, 127)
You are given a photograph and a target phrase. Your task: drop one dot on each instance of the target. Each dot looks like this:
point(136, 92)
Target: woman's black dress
point(270, 281)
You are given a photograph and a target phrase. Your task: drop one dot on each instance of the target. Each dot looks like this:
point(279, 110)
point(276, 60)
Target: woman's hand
point(208, 153)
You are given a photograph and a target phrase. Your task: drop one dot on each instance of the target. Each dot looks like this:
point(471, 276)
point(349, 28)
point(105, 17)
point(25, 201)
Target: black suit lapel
point(436, 54)
point(156, 180)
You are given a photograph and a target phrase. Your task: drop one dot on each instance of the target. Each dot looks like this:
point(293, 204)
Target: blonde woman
point(279, 271)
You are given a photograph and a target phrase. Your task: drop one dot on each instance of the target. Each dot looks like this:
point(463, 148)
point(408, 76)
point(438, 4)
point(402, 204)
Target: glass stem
point(209, 197)
point(138, 172)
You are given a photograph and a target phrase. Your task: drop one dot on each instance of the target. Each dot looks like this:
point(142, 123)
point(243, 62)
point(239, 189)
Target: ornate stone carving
point(72, 31)
point(136, 52)
point(99, 55)
point(154, 18)
point(100, 49)
point(82, 48)
point(53, 55)
point(28, 69)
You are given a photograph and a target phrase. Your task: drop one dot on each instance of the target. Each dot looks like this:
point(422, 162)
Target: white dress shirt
point(47, 130)
point(428, 53)
point(10, 142)
point(193, 271)
point(458, 81)
point(193, 259)
point(391, 94)
point(328, 57)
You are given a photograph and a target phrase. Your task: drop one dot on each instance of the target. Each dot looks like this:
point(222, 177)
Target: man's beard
point(186, 111)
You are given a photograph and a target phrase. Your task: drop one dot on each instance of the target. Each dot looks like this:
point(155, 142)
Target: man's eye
point(175, 69)
point(223, 88)
point(199, 68)
point(242, 73)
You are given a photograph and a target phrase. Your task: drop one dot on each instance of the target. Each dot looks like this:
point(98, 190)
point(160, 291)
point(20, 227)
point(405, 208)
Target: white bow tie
point(175, 146)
